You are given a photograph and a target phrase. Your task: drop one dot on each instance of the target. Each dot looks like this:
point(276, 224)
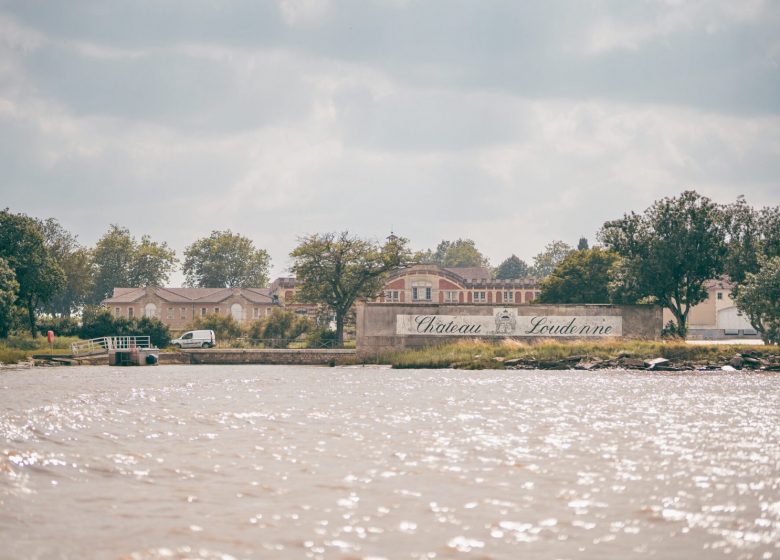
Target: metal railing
point(104, 344)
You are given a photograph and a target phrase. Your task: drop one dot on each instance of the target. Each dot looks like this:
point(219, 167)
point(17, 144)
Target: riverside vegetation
point(587, 355)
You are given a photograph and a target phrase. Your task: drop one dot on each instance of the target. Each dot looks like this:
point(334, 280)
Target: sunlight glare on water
point(369, 463)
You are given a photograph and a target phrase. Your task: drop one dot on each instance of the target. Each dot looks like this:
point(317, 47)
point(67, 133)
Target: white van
point(195, 339)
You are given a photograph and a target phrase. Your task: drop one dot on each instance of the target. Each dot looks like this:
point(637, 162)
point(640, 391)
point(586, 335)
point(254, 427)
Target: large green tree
point(23, 246)
point(76, 263)
point(225, 259)
point(512, 267)
point(9, 289)
point(546, 261)
point(455, 254)
point(337, 269)
point(582, 276)
point(759, 299)
point(752, 236)
point(121, 261)
point(668, 252)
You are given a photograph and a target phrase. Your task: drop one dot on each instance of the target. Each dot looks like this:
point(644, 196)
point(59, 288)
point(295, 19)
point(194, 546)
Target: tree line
point(662, 256)
point(666, 254)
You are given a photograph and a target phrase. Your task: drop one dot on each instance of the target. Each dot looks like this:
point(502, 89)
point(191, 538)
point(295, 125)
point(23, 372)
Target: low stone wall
point(387, 327)
point(267, 356)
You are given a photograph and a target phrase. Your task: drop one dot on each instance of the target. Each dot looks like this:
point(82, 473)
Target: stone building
point(177, 307)
point(717, 317)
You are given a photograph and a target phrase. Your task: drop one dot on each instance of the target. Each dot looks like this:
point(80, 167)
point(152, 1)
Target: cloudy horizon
point(509, 123)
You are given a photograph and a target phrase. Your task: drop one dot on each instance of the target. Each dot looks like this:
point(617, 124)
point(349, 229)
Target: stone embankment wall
point(387, 327)
point(266, 356)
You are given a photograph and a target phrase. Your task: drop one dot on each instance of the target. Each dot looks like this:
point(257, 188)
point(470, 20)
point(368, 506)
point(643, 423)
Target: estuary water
point(221, 462)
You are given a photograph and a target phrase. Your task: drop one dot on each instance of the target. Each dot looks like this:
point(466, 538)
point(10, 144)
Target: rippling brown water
point(295, 462)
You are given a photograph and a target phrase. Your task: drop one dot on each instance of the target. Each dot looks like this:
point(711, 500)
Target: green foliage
point(546, 261)
point(759, 299)
point(512, 268)
point(581, 277)
point(454, 254)
point(98, 321)
point(121, 261)
point(742, 231)
point(76, 263)
point(156, 330)
point(62, 326)
point(337, 268)
point(322, 338)
point(225, 327)
point(22, 245)
point(225, 259)
point(9, 289)
point(281, 325)
point(668, 252)
point(473, 354)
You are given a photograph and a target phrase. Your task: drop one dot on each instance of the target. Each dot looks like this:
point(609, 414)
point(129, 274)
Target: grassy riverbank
point(17, 349)
point(551, 354)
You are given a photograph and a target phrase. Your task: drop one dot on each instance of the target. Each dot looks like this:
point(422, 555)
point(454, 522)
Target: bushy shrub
point(62, 326)
point(98, 321)
point(225, 327)
point(322, 338)
point(156, 330)
point(280, 327)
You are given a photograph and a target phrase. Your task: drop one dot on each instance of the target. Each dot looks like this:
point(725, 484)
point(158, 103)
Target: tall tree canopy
point(225, 259)
point(23, 247)
point(759, 299)
point(511, 268)
point(121, 261)
point(668, 252)
point(76, 263)
point(9, 289)
point(338, 268)
point(546, 261)
point(582, 276)
point(454, 254)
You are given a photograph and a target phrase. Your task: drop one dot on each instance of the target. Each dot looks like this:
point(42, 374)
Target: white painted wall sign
point(506, 322)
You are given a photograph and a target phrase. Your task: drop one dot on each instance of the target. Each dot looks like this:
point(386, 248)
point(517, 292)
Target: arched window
point(237, 312)
point(150, 310)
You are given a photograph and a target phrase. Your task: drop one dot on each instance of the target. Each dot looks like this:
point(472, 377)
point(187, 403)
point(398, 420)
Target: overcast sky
point(511, 123)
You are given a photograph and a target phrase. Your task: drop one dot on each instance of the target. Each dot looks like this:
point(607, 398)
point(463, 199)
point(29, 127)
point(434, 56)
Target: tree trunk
point(340, 328)
point(682, 320)
point(31, 315)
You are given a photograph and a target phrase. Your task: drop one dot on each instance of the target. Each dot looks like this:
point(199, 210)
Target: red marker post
point(50, 336)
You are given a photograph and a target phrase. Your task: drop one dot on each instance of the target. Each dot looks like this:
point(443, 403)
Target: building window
point(170, 313)
point(450, 296)
point(216, 311)
point(183, 313)
point(421, 291)
point(255, 312)
point(480, 297)
point(202, 311)
point(509, 296)
point(392, 295)
point(117, 311)
point(130, 312)
point(720, 295)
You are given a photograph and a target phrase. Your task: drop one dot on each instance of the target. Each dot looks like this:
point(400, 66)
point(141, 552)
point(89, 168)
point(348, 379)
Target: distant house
point(717, 316)
point(177, 307)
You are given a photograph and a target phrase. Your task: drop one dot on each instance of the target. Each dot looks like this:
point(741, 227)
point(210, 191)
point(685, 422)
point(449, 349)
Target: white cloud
point(303, 12)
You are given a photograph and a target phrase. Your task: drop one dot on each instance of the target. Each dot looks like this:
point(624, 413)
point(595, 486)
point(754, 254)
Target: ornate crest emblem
point(505, 322)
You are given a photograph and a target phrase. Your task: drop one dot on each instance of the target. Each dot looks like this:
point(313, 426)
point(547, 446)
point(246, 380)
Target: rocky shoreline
point(753, 360)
